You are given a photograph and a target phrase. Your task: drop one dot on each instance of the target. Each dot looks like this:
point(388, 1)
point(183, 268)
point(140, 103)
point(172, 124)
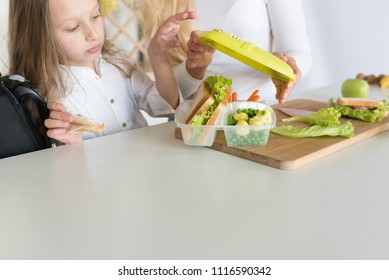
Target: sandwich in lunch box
point(210, 99)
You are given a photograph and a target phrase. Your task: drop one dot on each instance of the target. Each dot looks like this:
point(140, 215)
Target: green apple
point(355, 88)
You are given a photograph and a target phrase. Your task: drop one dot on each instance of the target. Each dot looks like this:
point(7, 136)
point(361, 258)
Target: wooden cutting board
point(288, 153)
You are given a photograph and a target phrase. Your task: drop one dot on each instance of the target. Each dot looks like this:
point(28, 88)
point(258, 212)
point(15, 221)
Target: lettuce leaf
point(344, 130)
point(324, 117)
point(367, 115)
point(201, 119)
point(218, 86)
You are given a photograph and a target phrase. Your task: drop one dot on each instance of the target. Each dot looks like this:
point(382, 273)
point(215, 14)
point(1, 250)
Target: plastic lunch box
point(253, 135)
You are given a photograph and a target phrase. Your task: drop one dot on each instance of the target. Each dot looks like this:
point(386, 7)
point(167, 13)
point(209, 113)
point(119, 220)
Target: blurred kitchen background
point(347, 37)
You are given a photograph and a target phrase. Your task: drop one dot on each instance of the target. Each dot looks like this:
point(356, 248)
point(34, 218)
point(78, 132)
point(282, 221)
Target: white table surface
point(143, 194)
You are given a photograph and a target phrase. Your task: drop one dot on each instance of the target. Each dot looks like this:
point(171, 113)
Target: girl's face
point(79, 30)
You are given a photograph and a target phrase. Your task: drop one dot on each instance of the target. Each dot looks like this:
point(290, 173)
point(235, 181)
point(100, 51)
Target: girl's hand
point(285, 88)
point(165, 39)
point(199, 56)
point(57, 123)
point(166, 36)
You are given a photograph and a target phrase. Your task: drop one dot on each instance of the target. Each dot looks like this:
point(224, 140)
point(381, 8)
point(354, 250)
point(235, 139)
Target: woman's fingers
point(285, 88)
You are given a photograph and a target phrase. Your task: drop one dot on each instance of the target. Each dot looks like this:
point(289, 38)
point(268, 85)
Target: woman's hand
point(285, 88)
point(199, 56)
point(58, 122)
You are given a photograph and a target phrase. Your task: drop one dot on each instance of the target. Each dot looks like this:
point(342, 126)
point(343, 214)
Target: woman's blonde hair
point(154, 12)
point(34, 52)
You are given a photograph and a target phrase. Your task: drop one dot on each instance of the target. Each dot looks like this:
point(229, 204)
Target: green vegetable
point(324, 117)
point(201, 119)
point(255, 116)
point(367, 115)
point(344, 130)
point(245, 135)
point(231, 120)
point(218, 86)
point(254, 138)
point(251, 112)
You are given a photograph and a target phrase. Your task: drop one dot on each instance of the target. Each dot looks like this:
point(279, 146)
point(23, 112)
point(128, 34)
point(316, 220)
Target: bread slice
point(359, 102)
point(219, 109)
point(200, 108)
point(214, 117)
point(82, 123)
point(202, 100)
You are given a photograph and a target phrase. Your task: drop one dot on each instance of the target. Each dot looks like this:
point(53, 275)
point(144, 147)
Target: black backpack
point(22, 115)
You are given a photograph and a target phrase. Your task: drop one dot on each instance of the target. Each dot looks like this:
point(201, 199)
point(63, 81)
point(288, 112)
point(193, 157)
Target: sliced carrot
point(234, 96)
point(254, 96)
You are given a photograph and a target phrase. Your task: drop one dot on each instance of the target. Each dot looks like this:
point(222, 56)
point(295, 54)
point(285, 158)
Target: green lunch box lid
point(249, 54)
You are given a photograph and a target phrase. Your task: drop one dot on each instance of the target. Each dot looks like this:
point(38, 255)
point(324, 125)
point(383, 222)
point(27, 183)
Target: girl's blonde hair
point(154, 12)
point(34, 52)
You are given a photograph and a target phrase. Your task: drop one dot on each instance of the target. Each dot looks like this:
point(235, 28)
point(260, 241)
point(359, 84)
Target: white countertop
point(143, 194)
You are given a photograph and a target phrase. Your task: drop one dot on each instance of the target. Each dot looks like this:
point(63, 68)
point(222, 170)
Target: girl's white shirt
point(108, 96)
point(269, 24)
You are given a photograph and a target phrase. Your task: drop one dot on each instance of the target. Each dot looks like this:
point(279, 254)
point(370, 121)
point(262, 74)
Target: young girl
point(59, 45)
point(274, 25)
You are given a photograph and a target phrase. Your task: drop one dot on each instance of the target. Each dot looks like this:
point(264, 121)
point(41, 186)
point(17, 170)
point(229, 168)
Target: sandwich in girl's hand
point(81, 123)
point(210, 100)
